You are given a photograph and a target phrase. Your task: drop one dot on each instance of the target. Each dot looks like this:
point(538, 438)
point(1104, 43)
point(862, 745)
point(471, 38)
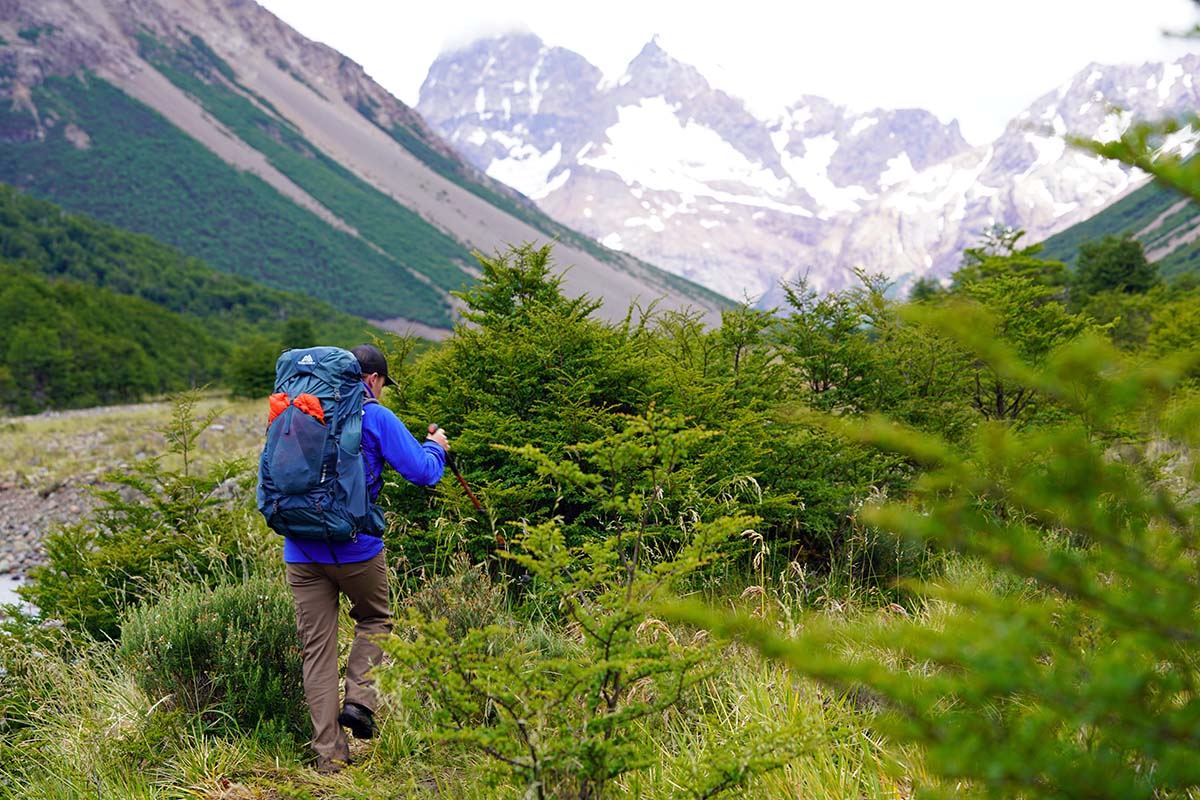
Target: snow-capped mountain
point(662, 165)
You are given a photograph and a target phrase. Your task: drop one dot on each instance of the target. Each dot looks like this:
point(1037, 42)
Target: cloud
point(980, 63)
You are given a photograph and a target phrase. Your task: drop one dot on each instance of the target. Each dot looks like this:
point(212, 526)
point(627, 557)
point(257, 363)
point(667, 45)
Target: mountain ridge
point(890, 190)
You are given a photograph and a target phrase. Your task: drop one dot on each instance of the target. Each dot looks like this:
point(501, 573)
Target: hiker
point(318, 571)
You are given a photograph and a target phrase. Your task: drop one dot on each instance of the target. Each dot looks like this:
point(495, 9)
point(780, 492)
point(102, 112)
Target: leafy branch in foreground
point(1082, 681)
point(1150, 147)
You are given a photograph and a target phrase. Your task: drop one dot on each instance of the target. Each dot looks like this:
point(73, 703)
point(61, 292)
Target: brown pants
point(315, 589)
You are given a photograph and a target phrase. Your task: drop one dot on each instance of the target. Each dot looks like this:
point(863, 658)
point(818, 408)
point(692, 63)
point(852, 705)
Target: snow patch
point(556, 183)
point(480, 101)
point(1049, 150)
point(478, 137)
point(811, 173)
point(1181, 143)
point(899, 169)
point(612, 242)
point(942, 189)
point(1171, 73)
point(528, 171)
point(652, 222)
point(535, 92)
point(651, 147)
point(862, 124)
point(506, 141)
point(1115, 124)
point(712, 223)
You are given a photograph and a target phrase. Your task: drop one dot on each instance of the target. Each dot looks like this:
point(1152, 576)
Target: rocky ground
point(29, 514)
point(51, 463)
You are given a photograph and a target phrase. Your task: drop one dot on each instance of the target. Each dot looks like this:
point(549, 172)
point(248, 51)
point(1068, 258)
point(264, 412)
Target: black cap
point(371, 360)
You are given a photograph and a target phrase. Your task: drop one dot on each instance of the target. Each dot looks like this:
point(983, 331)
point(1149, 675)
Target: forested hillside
point(139, 172)
point(95, 314)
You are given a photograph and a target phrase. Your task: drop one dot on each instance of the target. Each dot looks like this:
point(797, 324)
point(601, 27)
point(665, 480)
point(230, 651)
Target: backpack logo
point(307, 361)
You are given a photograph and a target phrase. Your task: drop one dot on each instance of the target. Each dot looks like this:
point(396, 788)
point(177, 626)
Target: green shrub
point(535, 367)
point(229, 653)
point(567, 715)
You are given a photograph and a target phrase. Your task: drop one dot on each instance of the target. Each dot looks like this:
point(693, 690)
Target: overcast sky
point(978, 62)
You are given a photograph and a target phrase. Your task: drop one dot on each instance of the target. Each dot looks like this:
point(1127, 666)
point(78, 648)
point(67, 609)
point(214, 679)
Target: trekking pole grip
point(433, 426)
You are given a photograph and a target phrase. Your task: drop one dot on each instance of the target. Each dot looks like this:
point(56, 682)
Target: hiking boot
point(330, 766)
point(359, 719)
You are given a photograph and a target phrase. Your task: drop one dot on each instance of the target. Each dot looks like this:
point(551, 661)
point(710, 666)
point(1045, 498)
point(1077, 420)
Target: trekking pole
point(454, 468)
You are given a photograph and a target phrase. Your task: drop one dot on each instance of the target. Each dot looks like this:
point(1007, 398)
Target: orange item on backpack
point(309, 404)
point(279, 402)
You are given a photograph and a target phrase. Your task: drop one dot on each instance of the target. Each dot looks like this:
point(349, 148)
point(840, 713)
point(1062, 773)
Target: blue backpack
point(311, 484)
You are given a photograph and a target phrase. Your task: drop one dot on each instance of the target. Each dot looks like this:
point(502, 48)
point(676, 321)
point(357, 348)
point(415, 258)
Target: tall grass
point(92, 733)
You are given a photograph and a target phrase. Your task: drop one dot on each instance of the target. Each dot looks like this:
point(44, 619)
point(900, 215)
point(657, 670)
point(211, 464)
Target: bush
point(567, 714)
point(227, 653)
point(466, 598)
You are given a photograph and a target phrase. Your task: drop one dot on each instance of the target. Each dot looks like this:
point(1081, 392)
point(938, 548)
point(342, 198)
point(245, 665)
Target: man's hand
point(438, 435)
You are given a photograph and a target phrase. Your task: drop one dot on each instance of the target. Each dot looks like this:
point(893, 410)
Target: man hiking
point(318, 572)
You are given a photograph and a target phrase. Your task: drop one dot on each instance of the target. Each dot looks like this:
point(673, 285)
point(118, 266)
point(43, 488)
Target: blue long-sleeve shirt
point(385, 440)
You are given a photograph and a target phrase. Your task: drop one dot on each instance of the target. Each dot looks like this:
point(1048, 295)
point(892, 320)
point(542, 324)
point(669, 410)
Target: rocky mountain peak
point(655, 72)
point(668, 167)
point(514, 76)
